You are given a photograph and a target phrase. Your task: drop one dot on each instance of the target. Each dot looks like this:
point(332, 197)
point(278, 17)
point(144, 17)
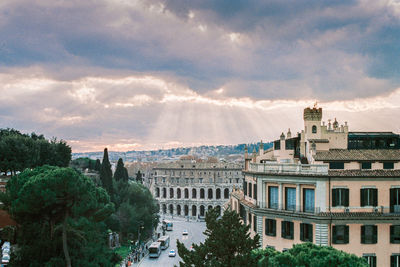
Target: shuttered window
point(336, 165)
point(388, 165)
point(245, 188)
point(340, 234)
point(250, 189)
point(270, 227)
point(369, 197)
point(395, 261)
point(371, 260)
point(255, 223)
point(369, 234)
point(366, 165)
point(306, 232)
point(287, 230)
point(308, 200)
point(395, 234)
point(255, 191)
point(340, 197)
point(395, 200)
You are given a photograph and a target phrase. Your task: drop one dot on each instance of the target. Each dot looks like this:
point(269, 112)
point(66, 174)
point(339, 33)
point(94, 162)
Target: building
point(190, 188)
point(328, 186)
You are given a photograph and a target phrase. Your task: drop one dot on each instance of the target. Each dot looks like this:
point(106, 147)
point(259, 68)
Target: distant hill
point(230, 153)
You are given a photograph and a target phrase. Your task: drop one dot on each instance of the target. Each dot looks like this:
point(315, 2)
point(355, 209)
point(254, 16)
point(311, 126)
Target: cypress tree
point(97, 167)
point(119, 171)
point(126, 175)
point(106, 174)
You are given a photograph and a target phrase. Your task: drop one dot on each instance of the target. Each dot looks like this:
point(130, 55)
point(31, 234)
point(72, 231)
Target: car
point(6, 251)
point(6, 245)
point(185, 232)
point(172, 253)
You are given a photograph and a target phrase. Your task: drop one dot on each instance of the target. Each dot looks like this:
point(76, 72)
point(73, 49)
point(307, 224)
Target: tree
point(139, 177)
point(308, 255)
point(120, 172)
point(97, 166)
point(228, 243)
point(106, 174)
point(57, 208)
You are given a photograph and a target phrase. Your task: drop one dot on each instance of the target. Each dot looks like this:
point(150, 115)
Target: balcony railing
point(290, 168)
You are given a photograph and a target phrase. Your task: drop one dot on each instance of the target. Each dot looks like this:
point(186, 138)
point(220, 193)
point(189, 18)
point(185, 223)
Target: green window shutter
point(392, 234)
point(362, 234)
point(375, 236)
point(334, 235)
point(283, 232)
point(302, 231)
point(291, 230)
point(362, 197)
point(375, 197)
point(274, 227)
point(346, 197)
point(392, 199)
point(346, 234)
point(334, 197)
point(310, 232)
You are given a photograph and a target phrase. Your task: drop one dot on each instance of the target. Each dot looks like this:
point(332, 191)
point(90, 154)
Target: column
point(280, 196)
point(260, 193)
point(298, 204)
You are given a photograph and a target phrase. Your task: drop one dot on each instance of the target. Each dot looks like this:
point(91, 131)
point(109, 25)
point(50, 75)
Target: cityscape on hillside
point(231, 153)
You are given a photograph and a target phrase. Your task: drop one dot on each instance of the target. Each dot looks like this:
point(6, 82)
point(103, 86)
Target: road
point(196, 236)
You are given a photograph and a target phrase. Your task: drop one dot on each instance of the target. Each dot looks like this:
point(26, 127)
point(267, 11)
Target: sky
point(140, 75)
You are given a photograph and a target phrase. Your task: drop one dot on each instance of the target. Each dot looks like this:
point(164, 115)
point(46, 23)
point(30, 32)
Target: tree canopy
point(106, 174)
point(121, 172)
point(20, 151)
point(307, 255)
point(228, 243)
point(59, 212)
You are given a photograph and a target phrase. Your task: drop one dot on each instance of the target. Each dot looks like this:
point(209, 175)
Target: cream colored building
point(328, 186)
point(190, 188)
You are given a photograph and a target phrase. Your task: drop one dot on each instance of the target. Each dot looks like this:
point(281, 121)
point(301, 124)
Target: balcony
point(289, 168)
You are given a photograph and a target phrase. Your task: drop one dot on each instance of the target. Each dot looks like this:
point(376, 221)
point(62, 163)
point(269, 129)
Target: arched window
point(219, 210)
point(218, 193)
point(210, 193)
point(164, 192)
point(164, 208)
point(171, 193)
point(194, 193)
point(157, 192)
point(194, 210)
point(202, 210)
point(202, 193)
point(186, 210)
point(178, 210)
point(186, 193)
point(178, 193)
point(314, 129)
point(226, 193)
point(171, 209)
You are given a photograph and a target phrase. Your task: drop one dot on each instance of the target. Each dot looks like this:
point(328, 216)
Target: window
point(336, 165)
point(177, 180)
point(277, 145)
point(369, 234)
point(226, 193)
point(314, 129)
point(272, 197)
point(306, 232)
point(395, 234)
point(371, 259)
point(255, 223)
point(200, 180)
point(250, 189)
point(340, 234)
point(340, 197)
point(369, 197)
point(388, 165)
point(202, 193)
point(255, 191)
point(308, 200)
point(245, 188)
point(290, 198)
point(287, 230)
point(395, 260)
point(395, 200)
point(270, 227)
point(250, 217)
point(366, 165)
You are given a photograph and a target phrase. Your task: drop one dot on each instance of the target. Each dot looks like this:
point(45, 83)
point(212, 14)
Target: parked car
point(5, 259)
point(185, 232)
point(6, 250)
point(172, 253)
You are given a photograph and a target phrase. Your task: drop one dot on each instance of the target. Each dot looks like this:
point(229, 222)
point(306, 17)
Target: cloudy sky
point(138, 75)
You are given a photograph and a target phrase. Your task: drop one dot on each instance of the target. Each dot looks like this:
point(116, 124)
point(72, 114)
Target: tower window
point(314, 129)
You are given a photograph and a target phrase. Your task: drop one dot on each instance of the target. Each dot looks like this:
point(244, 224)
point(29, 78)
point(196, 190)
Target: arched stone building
point(188, 188)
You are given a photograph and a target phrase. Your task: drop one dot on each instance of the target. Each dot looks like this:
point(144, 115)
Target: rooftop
point(358, 155)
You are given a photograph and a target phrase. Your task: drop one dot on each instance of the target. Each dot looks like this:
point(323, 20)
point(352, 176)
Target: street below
point(195, 235)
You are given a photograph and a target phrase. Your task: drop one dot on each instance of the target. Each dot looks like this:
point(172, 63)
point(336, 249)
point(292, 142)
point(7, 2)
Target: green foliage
point(121, 172)
point(307, 255)
point(97, 166)
point(228, 244)
point(45, 201)
point(106, 174)
point(83, 163)
point(139, 177)
point(135, 206)
point(20, 151)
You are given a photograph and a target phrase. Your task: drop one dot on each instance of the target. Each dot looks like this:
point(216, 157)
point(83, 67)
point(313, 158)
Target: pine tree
point(106, 174)
point(228, 244)
point(119, 171)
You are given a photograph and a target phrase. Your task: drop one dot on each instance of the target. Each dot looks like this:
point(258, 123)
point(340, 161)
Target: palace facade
point(328, 186)
point(190, 188)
